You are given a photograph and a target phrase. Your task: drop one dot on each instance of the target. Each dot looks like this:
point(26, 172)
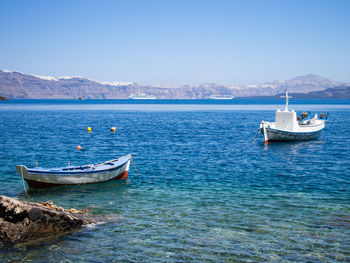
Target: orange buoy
point(78, 147)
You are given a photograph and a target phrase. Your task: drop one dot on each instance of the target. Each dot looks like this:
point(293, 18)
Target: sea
point(205, 192)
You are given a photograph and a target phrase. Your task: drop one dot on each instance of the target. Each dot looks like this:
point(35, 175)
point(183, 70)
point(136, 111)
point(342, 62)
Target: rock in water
point(22, 221)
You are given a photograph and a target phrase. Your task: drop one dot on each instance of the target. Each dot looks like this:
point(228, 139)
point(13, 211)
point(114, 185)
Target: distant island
point(3, 98)
point(339, 93)
point(17, 85)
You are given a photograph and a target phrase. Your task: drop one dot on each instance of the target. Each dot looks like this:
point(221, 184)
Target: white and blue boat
point(39, 177)
point(290, 127)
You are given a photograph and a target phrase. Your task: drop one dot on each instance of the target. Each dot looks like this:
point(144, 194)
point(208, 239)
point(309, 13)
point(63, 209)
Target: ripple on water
point(205, 192)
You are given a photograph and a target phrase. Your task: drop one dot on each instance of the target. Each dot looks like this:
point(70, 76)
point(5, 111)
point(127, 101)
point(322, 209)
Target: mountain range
point(17, 85)
point(340, 92)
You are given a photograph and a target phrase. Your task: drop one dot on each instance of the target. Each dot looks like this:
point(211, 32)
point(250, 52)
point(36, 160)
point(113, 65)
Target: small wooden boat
point(39, 177)
point(289, 127)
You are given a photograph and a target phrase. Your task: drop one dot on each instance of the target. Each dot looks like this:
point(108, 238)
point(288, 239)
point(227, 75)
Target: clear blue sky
point(177, 42)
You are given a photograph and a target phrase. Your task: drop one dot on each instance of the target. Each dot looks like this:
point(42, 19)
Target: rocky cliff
point(17, 85)
point(342, 92)
point(339, 93)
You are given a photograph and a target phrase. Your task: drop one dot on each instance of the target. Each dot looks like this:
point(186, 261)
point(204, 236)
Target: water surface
point(205, 194)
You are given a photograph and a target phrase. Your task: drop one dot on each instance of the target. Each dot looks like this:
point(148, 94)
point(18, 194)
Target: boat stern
point(22, 170)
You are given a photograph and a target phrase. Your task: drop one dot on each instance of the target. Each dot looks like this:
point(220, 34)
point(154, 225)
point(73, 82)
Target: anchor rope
point(256, 136)
point(134, 165)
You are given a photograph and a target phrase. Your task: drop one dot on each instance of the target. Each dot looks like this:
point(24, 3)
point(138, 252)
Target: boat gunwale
point(296, 132)
point(48, 171)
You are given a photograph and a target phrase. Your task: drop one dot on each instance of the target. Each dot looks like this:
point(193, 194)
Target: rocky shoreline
point(22, 222)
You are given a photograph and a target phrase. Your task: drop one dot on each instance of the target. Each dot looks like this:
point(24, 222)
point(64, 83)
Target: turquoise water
point(205, 193)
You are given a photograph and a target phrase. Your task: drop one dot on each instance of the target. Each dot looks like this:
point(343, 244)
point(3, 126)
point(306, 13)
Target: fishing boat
point(290, 127)
point(39, 177)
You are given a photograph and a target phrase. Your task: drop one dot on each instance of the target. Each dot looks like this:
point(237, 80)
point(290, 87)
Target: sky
point(177, 42)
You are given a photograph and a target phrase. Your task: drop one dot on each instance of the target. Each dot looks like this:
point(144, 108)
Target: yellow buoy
point(89, 129)
point(113, 129)
point(78, 147)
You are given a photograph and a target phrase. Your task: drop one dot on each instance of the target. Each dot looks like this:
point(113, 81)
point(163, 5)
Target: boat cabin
point(286, 120)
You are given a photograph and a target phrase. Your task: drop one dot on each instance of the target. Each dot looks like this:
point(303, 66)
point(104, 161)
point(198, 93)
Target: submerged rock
point(22, 221)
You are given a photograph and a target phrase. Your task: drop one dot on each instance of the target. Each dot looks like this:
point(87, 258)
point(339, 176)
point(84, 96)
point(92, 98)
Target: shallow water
point(205, 193)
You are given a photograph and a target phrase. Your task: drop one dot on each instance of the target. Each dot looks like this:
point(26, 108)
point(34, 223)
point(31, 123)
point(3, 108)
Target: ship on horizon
point(141, 96)
point(221, 97)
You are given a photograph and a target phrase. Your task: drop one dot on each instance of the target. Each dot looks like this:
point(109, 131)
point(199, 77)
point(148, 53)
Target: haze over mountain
point(339, 92)
point(17, 85)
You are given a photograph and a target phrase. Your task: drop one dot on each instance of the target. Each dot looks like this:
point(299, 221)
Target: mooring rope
point(24, 186)
point(134, 165)
point(256, 136)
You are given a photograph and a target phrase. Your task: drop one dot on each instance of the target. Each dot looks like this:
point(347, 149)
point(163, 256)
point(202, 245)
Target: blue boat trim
point(296, 133)
point(87, 171)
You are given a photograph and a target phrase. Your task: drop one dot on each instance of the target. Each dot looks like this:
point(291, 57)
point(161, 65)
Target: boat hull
point(41, 185)
point(279, 135)
point(289, 127)
point(42, 179)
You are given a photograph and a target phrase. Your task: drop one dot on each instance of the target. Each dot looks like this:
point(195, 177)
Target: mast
point(287, 98)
